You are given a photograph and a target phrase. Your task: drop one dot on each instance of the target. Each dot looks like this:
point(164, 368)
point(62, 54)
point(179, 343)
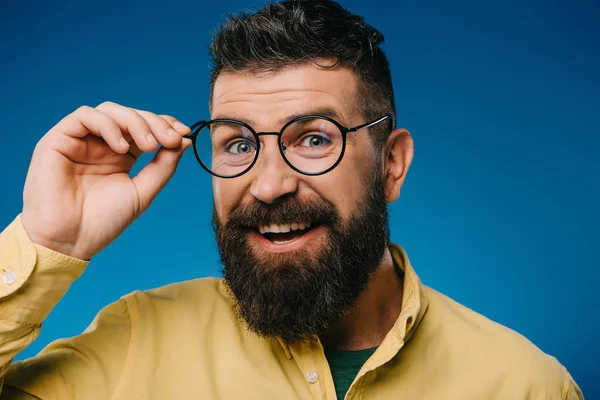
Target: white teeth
point(284, 228)
point(274, 229)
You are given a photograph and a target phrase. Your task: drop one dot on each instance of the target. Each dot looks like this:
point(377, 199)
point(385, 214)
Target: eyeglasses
point(309, 144)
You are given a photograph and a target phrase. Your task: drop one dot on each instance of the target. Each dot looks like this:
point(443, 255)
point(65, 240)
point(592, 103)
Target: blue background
point(502, 98)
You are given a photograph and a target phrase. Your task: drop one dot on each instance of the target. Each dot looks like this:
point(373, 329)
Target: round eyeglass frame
point(198, 126)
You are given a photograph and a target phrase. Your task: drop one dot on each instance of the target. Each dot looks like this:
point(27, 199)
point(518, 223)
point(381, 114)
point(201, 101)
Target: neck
point(374, 314)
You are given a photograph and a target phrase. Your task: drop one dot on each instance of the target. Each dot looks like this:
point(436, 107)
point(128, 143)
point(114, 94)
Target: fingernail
point(123, 143)
point(180, 126)
point(171, 132)
point(150, 139)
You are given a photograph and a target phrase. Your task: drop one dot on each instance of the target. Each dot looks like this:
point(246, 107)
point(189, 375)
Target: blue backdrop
point(502, 98)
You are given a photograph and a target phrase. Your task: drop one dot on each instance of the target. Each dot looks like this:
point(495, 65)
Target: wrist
point(58, 246)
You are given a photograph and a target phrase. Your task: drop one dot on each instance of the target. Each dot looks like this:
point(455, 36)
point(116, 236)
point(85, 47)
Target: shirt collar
point(414, 297)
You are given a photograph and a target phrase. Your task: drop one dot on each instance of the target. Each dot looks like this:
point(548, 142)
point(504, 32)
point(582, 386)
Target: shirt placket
point(311, 361)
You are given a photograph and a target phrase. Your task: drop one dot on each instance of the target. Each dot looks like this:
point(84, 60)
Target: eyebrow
point(323, 111)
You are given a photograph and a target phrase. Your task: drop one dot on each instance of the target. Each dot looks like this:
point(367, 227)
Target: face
point(296, 283)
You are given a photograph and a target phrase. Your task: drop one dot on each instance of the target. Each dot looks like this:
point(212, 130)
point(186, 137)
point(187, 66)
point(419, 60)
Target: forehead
point(264, 99)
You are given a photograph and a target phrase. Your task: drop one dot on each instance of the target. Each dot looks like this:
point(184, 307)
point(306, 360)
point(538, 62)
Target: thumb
point(154, 176)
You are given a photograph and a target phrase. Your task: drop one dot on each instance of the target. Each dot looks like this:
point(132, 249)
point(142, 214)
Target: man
point(315, 301)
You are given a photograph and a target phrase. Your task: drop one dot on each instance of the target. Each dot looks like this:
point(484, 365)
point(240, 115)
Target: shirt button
point(312, 376)
point(9, 277)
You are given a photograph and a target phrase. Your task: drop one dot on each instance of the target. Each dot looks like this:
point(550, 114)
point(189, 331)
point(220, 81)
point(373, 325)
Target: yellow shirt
point(183, 341)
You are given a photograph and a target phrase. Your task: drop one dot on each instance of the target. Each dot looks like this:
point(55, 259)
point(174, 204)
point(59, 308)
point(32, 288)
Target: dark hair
point(294, 32)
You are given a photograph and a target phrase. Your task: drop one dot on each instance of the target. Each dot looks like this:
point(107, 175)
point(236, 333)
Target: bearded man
point(315, 302)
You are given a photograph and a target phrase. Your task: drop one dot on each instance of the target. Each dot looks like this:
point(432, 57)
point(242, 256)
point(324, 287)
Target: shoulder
point(491, 340)
point(491, 350)
point(199, 299)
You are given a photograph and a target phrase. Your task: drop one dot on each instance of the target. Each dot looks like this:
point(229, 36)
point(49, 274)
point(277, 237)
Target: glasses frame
point(198, 126)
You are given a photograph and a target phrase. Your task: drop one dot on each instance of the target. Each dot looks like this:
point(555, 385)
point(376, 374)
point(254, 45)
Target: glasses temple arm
point(370, 124)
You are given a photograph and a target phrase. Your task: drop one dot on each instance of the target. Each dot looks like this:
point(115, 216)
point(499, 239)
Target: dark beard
point(300, 295)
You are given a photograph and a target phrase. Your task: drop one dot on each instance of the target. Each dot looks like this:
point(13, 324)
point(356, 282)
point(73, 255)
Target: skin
point(266, 103)
point(79, 196)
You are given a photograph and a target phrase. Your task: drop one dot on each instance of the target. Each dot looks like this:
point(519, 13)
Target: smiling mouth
point(285, 233)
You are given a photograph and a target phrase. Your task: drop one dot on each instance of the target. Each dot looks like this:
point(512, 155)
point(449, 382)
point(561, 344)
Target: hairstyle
point(294, 32)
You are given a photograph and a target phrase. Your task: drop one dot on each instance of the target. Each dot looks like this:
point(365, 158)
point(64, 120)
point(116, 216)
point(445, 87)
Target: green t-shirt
point(344, 366)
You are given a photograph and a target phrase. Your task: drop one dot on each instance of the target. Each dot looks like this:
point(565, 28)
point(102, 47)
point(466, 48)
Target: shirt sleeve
point(32, 281)
point(89, 366)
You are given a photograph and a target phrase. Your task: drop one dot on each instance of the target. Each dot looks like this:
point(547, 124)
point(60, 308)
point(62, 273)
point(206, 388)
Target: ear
point(399, 151)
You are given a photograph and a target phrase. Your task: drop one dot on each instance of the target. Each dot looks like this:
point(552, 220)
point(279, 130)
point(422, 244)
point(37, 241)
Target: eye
point(314, 141)
point(241, 147)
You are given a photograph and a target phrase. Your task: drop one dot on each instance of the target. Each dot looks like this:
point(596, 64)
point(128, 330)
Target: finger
point(133, 123)
point(162, 129)
point(135, 151)
point(86, 120)
point(177, 125)
point(154, 176)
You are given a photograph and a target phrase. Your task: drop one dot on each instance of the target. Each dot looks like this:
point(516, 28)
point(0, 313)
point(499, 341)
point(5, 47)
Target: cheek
point(344, 188)
point(347, 183)
point(227, 194)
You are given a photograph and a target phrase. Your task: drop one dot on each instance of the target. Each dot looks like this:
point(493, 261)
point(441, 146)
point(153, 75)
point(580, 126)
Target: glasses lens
point(226, 148)
point(312, 145)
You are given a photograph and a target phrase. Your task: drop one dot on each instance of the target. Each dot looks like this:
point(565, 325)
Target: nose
point(273, 178)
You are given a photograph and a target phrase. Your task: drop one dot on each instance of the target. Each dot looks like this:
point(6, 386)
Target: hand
point(78, 195)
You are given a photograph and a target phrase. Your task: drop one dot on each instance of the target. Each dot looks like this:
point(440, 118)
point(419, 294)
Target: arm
point(87, 366)
point(34, 280)
point(78, 198)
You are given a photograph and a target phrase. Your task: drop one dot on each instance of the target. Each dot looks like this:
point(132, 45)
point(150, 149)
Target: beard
point(301, 294)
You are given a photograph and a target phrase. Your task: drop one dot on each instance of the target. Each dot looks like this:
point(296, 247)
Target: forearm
point(32, 281)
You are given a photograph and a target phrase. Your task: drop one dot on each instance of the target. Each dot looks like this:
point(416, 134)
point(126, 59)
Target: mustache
point(284, 211)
